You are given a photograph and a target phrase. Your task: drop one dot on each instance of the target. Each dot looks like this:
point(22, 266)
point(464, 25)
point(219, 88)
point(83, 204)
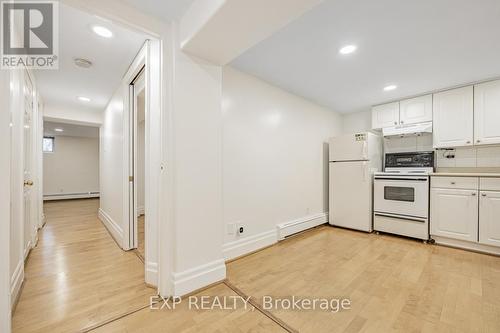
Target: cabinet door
point(453, 116)
point(386, 115)
point(487, 113)
point(415, 110)
point(454, 214)
point(489, 218)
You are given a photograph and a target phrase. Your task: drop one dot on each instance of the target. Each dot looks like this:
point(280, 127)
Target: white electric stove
point(401, 194)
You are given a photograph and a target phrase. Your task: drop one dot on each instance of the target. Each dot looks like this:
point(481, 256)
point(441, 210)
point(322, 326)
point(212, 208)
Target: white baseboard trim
point(292, 227)
point(151, 273)
point(198, 277)
point(16, 282)
point(63, 196)
point(114, 229)
point(27, 250)
point(460, 244)
point(140, 210)
point(249, 244)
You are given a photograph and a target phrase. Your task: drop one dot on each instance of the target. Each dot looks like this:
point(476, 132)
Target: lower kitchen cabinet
point(454, 213)
point(489, 218)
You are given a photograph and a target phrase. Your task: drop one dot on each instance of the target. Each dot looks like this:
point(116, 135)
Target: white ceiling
point(111, 59)
point(166, 10)
point(420, 46)
point(69, 130)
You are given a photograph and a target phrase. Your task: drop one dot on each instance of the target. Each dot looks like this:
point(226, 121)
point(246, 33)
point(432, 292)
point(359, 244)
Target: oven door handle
point(410, 218)
point(401, 179)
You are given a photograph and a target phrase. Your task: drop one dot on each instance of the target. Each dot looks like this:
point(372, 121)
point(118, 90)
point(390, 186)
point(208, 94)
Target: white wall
point(196, 162)
point(73, 167)
point(357, 122)
point(83, 116)
point(275, 157)
point(141, 176)
point(111, 168)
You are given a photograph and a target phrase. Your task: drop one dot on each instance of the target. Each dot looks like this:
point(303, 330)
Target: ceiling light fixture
point(102, 31)
point(58, 130)
point(83, 99)
point(83, 63)
point(348, 49)
point(390, 87)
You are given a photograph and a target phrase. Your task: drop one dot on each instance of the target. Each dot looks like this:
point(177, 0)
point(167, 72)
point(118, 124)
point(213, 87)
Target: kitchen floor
point(78, 278)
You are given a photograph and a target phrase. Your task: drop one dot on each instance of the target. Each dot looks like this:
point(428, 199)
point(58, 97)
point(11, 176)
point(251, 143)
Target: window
point(48, 144)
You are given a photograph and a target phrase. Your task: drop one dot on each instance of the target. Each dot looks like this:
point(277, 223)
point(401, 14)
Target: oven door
point(406, 196)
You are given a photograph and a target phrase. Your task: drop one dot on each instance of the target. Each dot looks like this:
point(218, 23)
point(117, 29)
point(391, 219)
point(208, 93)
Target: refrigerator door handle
point(365, 171)
point(365, 150)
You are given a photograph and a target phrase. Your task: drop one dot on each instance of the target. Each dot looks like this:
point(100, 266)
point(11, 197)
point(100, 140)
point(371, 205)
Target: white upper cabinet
point(453, 117)
point(487, 113)
point(415, 110)
point(385, 115)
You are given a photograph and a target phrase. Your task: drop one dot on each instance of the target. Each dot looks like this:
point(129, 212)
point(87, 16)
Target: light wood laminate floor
point(77, 276)
point(394, 284)
point(141, 236)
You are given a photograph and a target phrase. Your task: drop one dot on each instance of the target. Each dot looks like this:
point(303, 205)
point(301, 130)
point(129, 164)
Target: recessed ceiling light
point(390, 87)
point(83, 99)
point(58, 130)
point(348, 49)
point(102, 31)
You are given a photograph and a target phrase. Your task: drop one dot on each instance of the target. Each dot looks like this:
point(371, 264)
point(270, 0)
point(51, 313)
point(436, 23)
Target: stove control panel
point(410, 160)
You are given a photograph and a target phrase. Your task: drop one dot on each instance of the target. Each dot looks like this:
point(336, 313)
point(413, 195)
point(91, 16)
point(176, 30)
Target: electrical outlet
point(240, 229)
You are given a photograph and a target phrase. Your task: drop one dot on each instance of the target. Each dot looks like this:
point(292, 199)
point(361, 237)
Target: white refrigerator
point(353, 160)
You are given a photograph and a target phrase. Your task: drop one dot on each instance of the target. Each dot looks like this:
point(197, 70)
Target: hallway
point(77, 276)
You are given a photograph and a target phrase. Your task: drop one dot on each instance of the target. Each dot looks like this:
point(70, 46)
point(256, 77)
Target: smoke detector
point(83, 63)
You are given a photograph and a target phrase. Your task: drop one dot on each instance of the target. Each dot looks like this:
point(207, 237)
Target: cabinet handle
point(402, 122)
point(395, 123)
point(468, 142)
point(473, 194)
point(453, 183)
point(483, 194)
point(478, 141)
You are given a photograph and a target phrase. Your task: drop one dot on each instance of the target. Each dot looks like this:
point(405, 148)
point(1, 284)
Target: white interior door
point(28, 124)
point(135, 89)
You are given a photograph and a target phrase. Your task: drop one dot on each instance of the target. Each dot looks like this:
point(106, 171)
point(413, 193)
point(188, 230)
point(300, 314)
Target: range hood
point(408, 130)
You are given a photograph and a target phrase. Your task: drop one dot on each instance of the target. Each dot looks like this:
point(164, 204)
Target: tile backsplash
point(465, 157)
point(470, 157)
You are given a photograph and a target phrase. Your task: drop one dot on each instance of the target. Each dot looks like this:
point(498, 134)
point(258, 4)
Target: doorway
point(138, 161)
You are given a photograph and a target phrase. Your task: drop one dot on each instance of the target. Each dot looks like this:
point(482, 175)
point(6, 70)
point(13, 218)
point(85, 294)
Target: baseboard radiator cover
point(76, 195)
point(293, 227)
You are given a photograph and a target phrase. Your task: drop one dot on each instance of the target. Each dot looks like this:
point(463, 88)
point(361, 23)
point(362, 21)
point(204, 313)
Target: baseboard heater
point(290, 228)
point(63, 196)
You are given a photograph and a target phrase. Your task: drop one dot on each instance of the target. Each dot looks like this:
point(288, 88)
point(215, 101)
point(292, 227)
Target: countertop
point(464, 174)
